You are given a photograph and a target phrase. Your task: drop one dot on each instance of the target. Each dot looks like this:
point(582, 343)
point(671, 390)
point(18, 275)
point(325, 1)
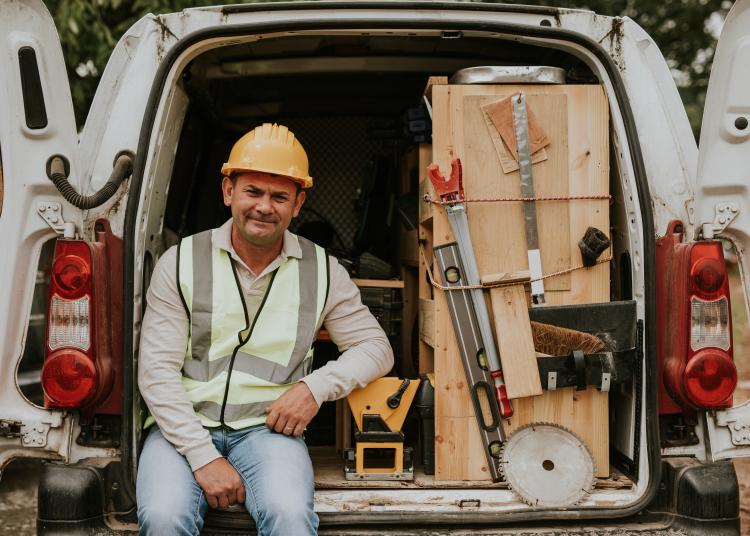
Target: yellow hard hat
point(269, 148)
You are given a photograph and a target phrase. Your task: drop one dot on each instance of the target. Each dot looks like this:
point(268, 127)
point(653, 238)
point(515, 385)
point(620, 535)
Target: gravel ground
point(18, 498)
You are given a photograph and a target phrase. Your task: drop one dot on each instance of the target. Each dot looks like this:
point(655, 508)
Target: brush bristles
point(554, 340)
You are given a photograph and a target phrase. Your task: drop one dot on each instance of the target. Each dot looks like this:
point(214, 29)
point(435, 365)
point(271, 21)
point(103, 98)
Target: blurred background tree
point(685, 30)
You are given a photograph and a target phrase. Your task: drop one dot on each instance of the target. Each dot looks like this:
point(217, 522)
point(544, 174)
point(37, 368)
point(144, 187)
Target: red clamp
point(450, 190)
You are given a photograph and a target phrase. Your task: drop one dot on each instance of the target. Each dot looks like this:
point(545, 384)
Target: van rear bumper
point(694, 498)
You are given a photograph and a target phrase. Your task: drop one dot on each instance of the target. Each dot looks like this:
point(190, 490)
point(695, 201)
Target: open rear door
point(36, 122)
point(723, 190)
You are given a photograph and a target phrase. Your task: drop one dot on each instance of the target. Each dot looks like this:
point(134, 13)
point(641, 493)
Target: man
point(226, 351)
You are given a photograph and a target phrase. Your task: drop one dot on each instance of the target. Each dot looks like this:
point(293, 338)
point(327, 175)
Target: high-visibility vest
point(235, 366)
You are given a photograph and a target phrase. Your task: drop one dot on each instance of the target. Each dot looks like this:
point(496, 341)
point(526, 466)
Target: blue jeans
point(275, 468)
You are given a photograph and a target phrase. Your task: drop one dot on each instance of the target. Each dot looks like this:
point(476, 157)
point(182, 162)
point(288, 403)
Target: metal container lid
point(503, 74)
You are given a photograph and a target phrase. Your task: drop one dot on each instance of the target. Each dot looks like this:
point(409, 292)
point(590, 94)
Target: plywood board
point(586, 412)
point(504, 248)
point(462, 458)
point(499, 241)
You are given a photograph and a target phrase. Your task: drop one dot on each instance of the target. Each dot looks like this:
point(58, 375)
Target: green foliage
point(89, 29)
point(685, 31)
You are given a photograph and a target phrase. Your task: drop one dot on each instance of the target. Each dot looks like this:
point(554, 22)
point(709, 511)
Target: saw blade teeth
point(536, 454)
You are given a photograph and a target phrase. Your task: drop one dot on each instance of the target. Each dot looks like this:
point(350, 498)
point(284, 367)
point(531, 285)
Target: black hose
point(123, 168)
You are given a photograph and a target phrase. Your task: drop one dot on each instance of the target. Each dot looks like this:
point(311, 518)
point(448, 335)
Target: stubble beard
point(259, 239)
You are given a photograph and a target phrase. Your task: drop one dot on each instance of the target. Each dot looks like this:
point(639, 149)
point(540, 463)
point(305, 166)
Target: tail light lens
point(71, 274)
point(710, 379)
point(696, 353)
point(709, 324)
point(69, 375)
point(707, 274)
point(69, 378)
point(69, 323)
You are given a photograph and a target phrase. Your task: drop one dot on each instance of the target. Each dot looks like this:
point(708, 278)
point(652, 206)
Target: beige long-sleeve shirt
point(366, 352)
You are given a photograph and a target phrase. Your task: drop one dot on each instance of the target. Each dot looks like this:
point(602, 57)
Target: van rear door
point(722, 199)
point(36, 122)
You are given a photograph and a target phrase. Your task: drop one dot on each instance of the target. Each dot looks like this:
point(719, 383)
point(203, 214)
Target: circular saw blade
point(548, 466)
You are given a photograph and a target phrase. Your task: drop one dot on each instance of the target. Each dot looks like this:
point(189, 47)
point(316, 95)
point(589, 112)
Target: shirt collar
point(222, 239)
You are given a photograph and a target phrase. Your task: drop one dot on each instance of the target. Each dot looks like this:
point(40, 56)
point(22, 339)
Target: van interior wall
point(351, 209)
point(352, 128)
point(625, 424)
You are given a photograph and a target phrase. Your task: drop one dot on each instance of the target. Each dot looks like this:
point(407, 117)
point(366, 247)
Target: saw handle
point(501, 394)
point(394, 400)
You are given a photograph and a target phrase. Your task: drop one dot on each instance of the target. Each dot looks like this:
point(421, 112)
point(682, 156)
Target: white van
point(180, 88)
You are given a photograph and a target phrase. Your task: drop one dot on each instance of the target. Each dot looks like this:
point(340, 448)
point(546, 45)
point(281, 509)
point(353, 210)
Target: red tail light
point(710, 375)
point(69, 378)
point(69, 375)
point(71, 275)
point(694, 317)
point(710, 379)
point(707, 274)
point(76, 371)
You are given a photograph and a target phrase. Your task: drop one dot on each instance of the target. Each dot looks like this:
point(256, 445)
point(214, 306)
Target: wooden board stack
point(575, 163)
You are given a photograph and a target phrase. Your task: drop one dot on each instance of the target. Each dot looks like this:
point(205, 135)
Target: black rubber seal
point(580, 366)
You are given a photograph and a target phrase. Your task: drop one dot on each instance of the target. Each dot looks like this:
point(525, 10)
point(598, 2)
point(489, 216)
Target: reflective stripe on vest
point(260, 357)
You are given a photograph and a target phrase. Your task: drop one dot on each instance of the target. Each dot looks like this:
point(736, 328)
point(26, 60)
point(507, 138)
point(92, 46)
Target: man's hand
point(292, 411)
point(221, 483)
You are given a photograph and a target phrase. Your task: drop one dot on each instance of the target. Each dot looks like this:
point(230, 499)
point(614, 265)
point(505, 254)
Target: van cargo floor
point(329, 474)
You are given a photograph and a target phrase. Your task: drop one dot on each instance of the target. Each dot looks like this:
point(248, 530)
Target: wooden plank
point(426, 351)
point(343, 425)
point(582, 168)
point(506, 278)
point(329, 474)
point(457, 442)
point(409, 247)
point(453, 405)
point(380, 283)
point(426, 357)
point(425, 186)
point(427, 321)
point(434, 81)
point(515, 342)
point(426, 190)
point(410, 313)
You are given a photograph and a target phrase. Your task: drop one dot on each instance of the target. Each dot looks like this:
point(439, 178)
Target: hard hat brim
point(305, 182)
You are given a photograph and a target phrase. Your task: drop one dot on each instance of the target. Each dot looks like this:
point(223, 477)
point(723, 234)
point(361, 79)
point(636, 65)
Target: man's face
point(262, 205)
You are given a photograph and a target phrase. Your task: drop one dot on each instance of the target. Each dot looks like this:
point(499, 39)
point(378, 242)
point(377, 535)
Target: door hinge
point(51, 212)
point(31, 434)
point(724, 214)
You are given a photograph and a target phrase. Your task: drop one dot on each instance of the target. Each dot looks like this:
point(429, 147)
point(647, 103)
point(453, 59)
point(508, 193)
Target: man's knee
point(284, 516)
point(160, 519)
